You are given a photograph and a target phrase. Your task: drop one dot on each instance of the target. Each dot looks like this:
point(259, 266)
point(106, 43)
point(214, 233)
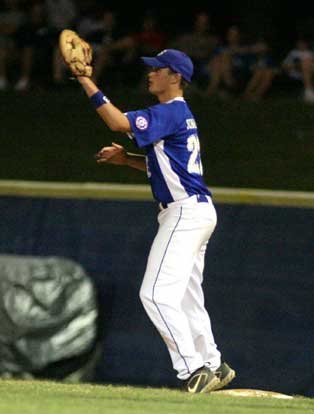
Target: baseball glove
point(76, 52)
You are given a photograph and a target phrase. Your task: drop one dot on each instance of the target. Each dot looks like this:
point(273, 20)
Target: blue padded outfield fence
point(258, 279)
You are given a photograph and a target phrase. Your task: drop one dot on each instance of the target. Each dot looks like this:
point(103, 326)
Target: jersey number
point(194, 164)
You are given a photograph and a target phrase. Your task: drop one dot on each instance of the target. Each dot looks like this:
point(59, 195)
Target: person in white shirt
point(299, 65)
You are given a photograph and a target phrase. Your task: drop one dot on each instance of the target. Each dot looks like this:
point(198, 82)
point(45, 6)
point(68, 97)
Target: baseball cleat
point(201, 381)
point(225, 374)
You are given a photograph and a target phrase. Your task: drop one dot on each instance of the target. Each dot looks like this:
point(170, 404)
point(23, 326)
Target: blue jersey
point(168, 132)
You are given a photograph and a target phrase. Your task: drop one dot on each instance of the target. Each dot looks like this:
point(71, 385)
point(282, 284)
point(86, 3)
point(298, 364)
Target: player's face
point(159, 80)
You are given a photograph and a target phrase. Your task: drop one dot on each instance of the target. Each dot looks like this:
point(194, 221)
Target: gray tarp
point(48, 312)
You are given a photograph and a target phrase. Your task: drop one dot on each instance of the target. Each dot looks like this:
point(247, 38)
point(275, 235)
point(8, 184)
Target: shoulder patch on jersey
point(141, 123)
point(190, 123)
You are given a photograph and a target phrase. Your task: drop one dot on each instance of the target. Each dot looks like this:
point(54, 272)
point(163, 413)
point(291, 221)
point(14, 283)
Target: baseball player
point(171, 291)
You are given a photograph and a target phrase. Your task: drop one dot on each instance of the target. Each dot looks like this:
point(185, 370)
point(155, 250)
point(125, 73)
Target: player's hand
point(115, 154)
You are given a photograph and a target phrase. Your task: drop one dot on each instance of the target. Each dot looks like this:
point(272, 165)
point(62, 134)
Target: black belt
point(201, 198)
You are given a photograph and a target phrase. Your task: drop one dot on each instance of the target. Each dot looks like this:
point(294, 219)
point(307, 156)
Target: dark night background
point(280, 22)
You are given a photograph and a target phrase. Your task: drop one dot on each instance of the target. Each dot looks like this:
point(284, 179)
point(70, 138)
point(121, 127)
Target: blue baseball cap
point(176, 60)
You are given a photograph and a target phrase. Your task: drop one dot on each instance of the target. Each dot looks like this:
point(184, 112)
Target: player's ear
point(176, 78)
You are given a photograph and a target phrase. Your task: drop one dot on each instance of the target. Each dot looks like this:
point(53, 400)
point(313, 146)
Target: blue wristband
point(99, 99)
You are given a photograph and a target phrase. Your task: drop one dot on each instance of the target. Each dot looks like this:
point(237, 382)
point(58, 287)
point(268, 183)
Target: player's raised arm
point(78, 55)
point(112, 116)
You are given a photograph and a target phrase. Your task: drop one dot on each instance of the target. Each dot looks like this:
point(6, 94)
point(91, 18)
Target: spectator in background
point(31, 40)
point(299, 66)
point(11, 19)
point(61, 14)
point(263, 71)
point(242, 67)
point(148, 40)
point(98, 28)
point(201, 44)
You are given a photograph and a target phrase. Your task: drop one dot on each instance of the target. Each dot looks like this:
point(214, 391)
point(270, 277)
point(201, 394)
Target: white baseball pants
point(171, 291)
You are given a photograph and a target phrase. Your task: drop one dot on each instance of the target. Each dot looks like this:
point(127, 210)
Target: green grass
point(43, 397)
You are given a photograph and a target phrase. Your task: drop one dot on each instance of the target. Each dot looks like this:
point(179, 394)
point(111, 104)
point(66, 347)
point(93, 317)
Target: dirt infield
point(253, 393)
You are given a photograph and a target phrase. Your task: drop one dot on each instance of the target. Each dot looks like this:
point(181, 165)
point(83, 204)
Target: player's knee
point(151, 297)
point(156, 296)
point(145, 297)
point(163, 296)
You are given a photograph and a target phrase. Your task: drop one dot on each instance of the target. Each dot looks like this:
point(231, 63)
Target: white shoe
point(3, 84)
point(309, 95)
point(22, 84)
